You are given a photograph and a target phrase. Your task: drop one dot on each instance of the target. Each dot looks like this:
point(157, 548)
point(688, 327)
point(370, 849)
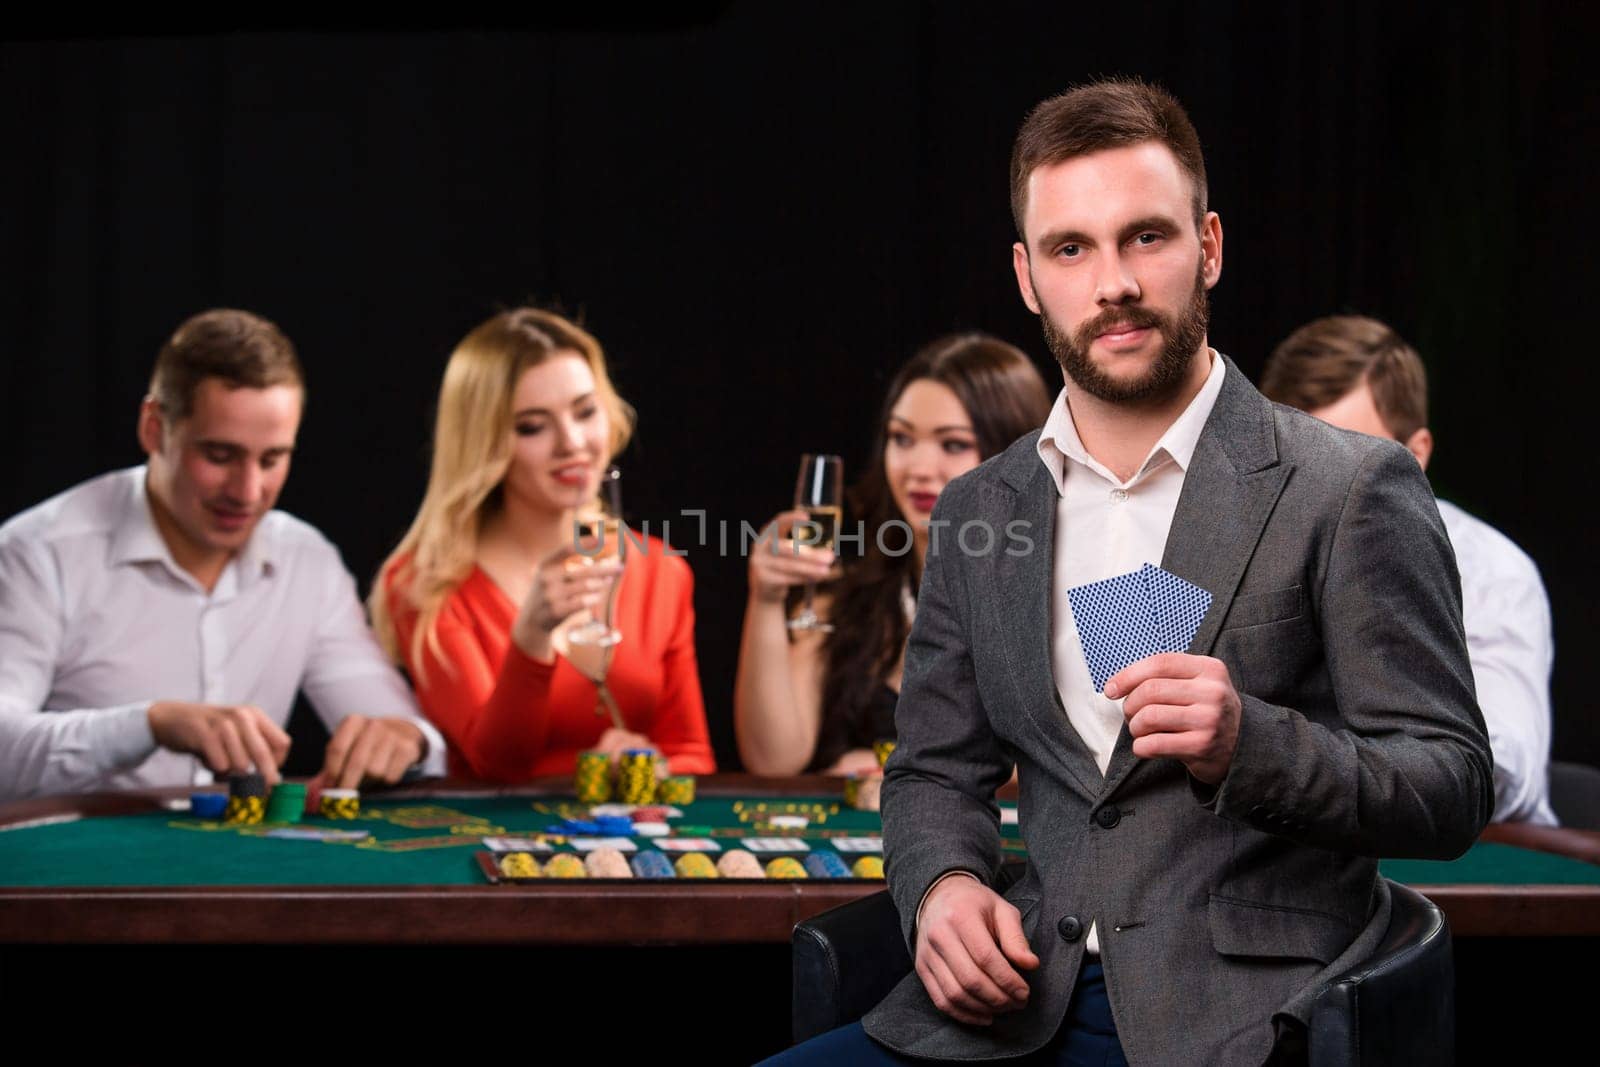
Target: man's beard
point(1165, 377)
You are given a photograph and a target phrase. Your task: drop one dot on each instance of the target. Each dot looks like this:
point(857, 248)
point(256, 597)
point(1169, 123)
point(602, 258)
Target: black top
point(839, 735)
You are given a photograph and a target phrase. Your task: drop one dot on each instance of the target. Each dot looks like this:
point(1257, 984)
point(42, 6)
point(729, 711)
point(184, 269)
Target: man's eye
point(217, 455)
point(1148, 238)
point(1070, 251)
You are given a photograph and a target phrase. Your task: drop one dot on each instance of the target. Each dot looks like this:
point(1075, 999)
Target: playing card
point(1179, 606)
point(1116, 624)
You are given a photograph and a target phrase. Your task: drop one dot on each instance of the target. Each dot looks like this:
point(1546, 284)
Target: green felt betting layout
point(413, 842)
point(433, 841)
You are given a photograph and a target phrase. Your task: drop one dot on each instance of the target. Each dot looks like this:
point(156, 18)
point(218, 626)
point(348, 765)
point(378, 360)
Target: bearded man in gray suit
point(1202, 835)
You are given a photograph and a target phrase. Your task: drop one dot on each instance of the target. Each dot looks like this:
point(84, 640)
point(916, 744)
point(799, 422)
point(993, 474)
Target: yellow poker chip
point(695, 865)
point(565, 865)
point(520, 865)
point(786, 867)
point(868, 867)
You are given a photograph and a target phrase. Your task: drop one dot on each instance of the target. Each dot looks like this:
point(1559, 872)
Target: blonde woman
point(479, 597)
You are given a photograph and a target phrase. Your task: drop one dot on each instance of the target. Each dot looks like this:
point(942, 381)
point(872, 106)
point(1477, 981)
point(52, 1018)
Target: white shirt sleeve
point(348, 673)
point(43, 752)
point(1509, 642)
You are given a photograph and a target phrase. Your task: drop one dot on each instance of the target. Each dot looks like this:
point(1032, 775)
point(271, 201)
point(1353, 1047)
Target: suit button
point(1108, 816)
point(1069, 928)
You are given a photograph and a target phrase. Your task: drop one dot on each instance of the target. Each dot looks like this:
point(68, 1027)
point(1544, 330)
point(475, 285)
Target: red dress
point(509, 717)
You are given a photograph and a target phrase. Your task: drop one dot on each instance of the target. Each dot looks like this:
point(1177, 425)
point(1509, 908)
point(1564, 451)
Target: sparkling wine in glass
point(819, 490)
point(600, 537)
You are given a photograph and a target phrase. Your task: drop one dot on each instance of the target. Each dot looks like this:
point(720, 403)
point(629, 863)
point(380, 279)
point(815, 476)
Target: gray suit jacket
point(1337, 609)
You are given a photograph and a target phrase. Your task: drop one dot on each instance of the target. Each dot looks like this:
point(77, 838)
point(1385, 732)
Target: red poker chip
point(313, 798)
point(654, 813)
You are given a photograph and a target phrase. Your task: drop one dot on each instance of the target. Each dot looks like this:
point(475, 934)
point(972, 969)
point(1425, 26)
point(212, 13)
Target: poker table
point(133, 869)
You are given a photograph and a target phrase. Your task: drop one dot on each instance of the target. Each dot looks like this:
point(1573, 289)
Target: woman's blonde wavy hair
point(472, 446)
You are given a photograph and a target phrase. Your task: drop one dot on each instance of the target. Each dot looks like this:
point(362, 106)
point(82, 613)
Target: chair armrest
point(845, 961)
point(1398, 1006)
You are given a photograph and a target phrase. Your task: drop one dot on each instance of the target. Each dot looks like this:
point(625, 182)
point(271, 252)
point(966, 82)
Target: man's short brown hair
point(1324, 360)
point(244, 350)
point(1114, 113)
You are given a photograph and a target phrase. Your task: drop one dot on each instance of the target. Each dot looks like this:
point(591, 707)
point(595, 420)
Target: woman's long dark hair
point(1005, 398)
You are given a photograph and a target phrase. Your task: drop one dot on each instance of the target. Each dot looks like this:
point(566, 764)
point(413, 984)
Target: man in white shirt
point(156, 623)
point(1358, 374)
point(1202, 831)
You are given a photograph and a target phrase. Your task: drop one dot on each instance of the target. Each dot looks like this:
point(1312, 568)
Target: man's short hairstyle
point(244, 350)
point(1114, 113)
point(1324, 360)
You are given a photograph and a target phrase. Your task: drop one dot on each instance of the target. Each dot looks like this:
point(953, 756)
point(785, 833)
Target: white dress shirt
point(1106, 527)
point(1508, 640)
point(97, 622)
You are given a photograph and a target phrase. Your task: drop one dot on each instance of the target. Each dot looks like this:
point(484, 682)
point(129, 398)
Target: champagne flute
point(819, 490)
point(602, 542)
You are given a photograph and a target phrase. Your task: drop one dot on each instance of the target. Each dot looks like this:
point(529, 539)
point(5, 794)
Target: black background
point(761, 211)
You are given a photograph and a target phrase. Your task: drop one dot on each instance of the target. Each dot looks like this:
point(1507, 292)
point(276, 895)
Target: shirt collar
point(1059, 440)
point(137, 539)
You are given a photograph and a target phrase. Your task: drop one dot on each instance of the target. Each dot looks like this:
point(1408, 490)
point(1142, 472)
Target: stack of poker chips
point(638, 776)
point(651, 865)
point(825, 865)
point(607, 863)
point(868, 867)
point(208, 805)
point(737, 863)
point(247, 799)
point(678, 789)
point(593, 780)
point(340, 803)
point(565, 865)
point(785, 867)
point(288, 802)
point(862, 791)
point(695, 865)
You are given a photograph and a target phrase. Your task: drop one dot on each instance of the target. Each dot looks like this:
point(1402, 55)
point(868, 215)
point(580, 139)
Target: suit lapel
point(1025, 587)
point(1233, 482)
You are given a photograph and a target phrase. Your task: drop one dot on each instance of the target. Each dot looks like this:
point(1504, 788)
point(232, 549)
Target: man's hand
point(377, 750)
point(230, 738)
point(1183, 707)
point(969, 942)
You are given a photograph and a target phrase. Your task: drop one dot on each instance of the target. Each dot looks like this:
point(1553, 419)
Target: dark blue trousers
point(1087, 1038)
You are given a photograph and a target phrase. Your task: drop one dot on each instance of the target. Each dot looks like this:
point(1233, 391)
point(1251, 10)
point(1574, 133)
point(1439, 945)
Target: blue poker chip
point(614, 825)
point(207, 805)
point(826, 865)
point(652, 865)
point(573, 826)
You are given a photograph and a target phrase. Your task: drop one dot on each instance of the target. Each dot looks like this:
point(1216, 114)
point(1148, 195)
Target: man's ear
point(1211, 248)
point(1019, 263)
point(152, 426)
point(1420, 444)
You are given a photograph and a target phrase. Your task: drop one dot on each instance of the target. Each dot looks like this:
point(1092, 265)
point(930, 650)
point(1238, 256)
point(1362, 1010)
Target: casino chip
point(695, 865)
point(868, 867)
point(737, 863)
point(786, 867)
point(652, 864)
point(565, 865)
point(607, 863)
point(826, 865)
point(340, 803)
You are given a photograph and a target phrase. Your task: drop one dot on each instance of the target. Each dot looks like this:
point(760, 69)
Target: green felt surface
point(432, 842)
point(413, 842)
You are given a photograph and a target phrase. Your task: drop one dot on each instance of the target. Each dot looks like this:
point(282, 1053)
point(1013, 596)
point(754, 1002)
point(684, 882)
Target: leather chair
point(1575, 794)
point(1398, 1006)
